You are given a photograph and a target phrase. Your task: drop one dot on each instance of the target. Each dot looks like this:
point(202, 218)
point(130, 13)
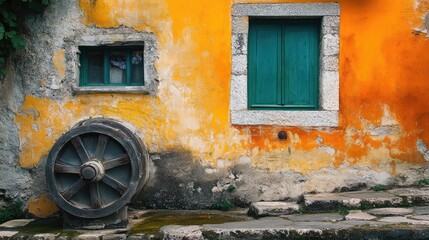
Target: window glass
point(112, 66)
point(137, 67)
point(118, 67)
point(95, 67)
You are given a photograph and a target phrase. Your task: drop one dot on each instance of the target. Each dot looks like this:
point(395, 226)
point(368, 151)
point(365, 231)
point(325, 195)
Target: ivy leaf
point(18, 43)
point(8, 17)
point(16, 40)
point(1, 32)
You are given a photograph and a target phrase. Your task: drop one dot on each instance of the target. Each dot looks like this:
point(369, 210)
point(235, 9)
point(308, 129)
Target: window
point(111, 66)
point(117, 60)
point(283, 64)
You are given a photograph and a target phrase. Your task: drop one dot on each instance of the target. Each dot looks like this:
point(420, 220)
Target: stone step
point(355, 200)
point(263, 209)
point(281, 228)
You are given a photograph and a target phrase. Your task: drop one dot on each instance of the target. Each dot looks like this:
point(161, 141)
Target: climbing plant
point(12, 14)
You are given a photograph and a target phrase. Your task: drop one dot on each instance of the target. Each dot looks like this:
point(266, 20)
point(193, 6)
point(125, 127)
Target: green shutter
point(264, 64)
point(283, 64)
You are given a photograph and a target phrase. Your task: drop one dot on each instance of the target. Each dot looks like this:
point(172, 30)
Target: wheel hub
point(92, 171)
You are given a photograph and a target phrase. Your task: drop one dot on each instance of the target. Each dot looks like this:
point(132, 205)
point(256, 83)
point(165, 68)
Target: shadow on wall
point(179, 181)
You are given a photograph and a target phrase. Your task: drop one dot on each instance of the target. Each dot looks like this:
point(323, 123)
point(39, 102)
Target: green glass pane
point(118, 67)
point(137, 67)
point(95, 67)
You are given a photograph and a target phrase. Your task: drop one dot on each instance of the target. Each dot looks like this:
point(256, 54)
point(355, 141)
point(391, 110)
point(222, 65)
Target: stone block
point(286, 118)
point(45, 236)
point(240, 25)
point(330, 63)
point(330, 44)
point(424, 210)
point(239, 64)
point(331, 25)
point(330, 90)
point(262, 209)
point(239, 44)
point(174, 232)
point(114, 237)
point(403, 220)
point(16, 223)
point(334, 201)
point(360, 216)
point(321, 217)
point(417, 196)
point(391, 211)
point(238, 92)
point(7, 234)
point(287, 9)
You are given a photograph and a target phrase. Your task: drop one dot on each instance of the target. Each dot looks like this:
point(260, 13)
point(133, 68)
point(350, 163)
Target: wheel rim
point(93, 171)
point(140, 146)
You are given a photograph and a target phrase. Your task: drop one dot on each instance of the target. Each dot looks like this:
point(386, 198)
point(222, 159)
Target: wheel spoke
point(101, 146)
point(71, 191)
point(81, 151)
point(115, 184)
point(61, 168)
point(122, 160)
point(95, 195)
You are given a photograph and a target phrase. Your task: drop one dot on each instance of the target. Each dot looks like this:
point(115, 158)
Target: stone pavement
point(352, 215)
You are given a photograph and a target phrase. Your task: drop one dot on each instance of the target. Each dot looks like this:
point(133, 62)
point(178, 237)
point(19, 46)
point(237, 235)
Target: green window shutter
point(301, 64)
point(264, 60)
point(283, 64)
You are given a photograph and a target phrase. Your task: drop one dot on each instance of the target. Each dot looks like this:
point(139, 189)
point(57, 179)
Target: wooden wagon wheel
point(93, 170)
point(141, 147)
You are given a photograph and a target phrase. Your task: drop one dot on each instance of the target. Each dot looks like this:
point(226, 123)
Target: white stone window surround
point(327, 115)
point(113, 37)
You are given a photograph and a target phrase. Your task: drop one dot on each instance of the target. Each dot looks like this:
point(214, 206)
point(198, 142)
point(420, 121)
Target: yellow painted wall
point(384, 72)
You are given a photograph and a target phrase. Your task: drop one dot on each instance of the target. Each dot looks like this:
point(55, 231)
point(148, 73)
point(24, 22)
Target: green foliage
point(380, 188)
point(424, 181)
point(223, 205)
point(11, 212)
point(12, 14)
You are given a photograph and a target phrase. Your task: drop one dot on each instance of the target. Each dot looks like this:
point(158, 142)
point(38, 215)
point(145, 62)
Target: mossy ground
point(153, 221)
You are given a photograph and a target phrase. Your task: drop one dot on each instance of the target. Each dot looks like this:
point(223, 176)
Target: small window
point(111, 66)
point(283, 64)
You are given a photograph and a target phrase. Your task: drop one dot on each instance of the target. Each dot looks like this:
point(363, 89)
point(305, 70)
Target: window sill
point(285, 118)
point(111, 89)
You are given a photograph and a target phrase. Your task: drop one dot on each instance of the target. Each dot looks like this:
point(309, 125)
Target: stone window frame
point(122, 36)
point(327, 115)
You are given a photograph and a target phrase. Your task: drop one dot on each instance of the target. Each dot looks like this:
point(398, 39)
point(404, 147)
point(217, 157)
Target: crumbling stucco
point(198, 156)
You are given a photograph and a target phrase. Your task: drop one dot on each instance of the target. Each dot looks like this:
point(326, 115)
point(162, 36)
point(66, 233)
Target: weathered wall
point(197, 154)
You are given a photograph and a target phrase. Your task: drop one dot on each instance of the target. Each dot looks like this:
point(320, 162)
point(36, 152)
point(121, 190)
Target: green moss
point(12, 212)
point(405, 202)
point(424, 181)
point(343, 211)
point(378, 188)
point(223, 205)
point(231, 188)
point(153, 221)
point(50, 225)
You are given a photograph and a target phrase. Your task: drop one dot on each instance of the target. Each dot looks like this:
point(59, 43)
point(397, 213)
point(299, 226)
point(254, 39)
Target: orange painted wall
point(384, 72)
